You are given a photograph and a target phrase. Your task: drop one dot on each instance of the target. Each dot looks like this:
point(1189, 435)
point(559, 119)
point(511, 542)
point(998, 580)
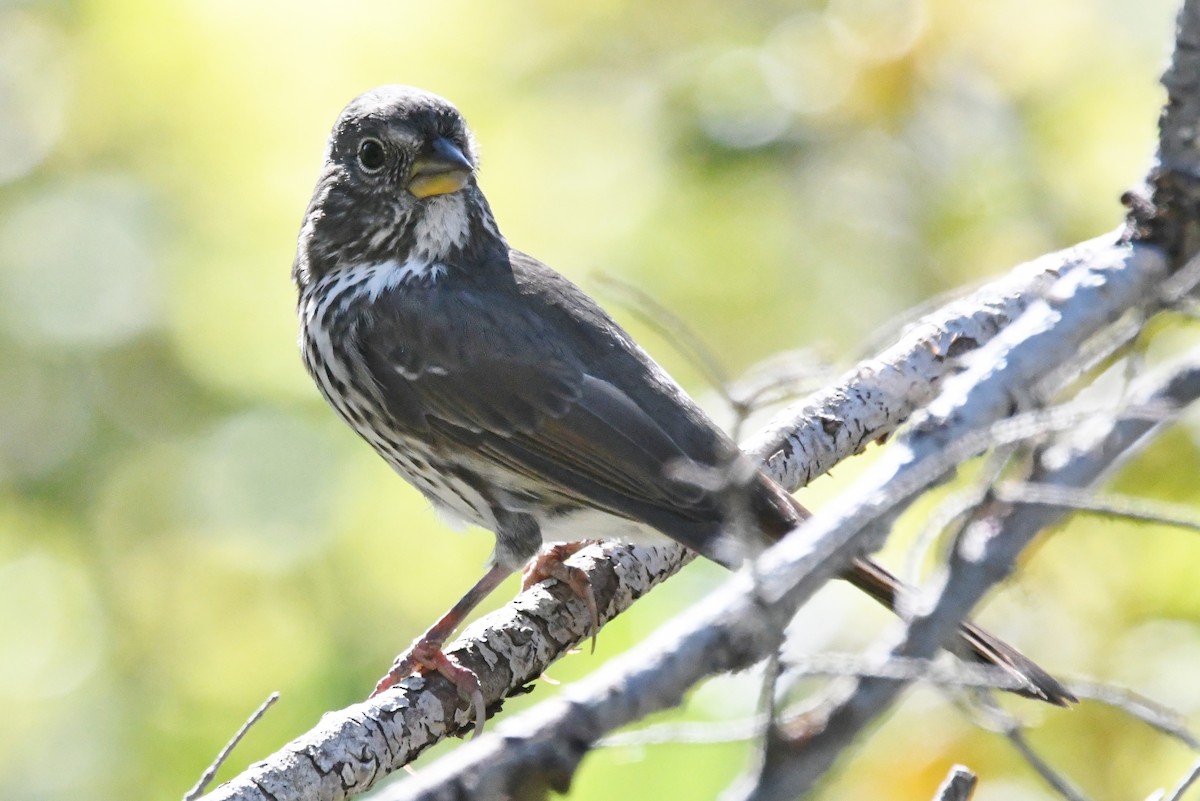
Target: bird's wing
point(492, 374)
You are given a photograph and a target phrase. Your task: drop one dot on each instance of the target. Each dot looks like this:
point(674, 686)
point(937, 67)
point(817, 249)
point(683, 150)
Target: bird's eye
point(371, 155)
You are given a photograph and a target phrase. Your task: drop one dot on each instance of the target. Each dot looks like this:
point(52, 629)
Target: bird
point(504, 393)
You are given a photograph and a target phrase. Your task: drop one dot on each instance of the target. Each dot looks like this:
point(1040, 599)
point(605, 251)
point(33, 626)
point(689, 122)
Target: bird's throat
point(441, 227)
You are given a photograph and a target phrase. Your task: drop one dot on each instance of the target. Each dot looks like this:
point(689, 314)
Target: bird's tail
point(778, 513)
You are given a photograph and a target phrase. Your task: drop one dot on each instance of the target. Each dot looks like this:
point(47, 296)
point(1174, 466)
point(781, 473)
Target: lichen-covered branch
point(352, 748)
point(808, 438)
point(1057, 303)
point(349, 750)
point(986, 555)
point(743, 620)
point(1167, 210)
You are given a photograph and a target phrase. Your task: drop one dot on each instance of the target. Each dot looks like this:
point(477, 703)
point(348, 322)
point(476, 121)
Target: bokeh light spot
point(33, 93)
point(878, 30)
point(806, 67)
point(45, 415)
point(50, 632)
point(737, 107)
point(78, 265)
point(263, 483)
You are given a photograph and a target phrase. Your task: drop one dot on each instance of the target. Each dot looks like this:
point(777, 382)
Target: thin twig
point(951, 675)
point(1016, 736)
point(966, 675)
point(955, 675)
point(688, 733)
point(1080, 500)
point(1188, 307)
point(955, 509)
point(208, 775)
point(877, 395)
point(1187, 781)
point(990, 716)
point(678, 333)
point(1094, 352)
point(781, 377)
point(959, 785)
point(968, 578)
point(1182, 283)
point(1153, 714)
point(744, 397)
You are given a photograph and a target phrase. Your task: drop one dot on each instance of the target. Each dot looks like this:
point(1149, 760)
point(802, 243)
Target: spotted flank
point(324, 319)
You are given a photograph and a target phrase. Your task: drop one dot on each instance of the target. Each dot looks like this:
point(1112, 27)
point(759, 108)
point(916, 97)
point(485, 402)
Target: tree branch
point(1096, 282)
point(872, 400)
point(958, 786)
point(985, 556)
point(743, 620)
point(800, 759)
point(352, 748)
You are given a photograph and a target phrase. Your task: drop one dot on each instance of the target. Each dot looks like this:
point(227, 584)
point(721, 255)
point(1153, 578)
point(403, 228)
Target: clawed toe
point(429, 656)
point(549, 563)
point(426, 653)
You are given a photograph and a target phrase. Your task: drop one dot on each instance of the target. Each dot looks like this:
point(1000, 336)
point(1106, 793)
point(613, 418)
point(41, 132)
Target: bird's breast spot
point(391, 274)
point(404, 372)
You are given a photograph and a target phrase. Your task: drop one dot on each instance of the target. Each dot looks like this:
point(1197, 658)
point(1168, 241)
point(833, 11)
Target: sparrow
point(503, 392)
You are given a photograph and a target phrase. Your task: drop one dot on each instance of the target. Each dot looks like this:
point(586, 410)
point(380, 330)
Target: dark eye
point(371, 155)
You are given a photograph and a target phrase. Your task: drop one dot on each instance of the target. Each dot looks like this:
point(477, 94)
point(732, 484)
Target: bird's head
point(398, 183)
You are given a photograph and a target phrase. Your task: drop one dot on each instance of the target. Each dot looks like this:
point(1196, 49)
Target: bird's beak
point(440, 170)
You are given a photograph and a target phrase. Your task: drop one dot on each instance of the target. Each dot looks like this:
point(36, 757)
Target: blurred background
point(184, 526)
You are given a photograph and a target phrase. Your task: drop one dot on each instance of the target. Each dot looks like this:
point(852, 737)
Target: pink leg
point(549, 564)
point(426, 651)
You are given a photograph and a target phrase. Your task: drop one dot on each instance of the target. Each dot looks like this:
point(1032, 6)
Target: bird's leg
point(549, 563)
point(426, 651)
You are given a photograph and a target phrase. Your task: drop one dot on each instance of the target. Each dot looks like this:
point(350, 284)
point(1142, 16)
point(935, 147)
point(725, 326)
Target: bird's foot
point(427, 655)
point(549, 563)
